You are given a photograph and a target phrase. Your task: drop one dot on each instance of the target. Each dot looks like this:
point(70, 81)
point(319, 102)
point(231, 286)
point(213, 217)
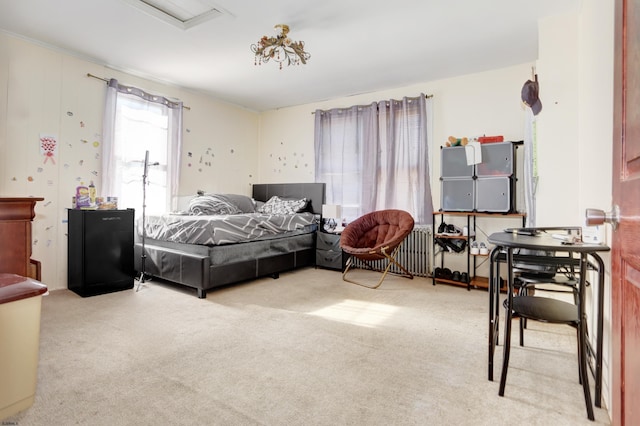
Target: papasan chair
point(375, 236)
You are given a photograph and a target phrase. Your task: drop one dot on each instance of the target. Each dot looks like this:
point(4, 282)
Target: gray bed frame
point(207, 267)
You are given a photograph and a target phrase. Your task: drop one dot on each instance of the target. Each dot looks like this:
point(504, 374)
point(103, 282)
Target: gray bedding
point(225, 256)
point(224, 229)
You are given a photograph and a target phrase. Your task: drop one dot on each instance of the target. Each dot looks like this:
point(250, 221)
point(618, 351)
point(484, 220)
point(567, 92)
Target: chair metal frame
point(390, 261)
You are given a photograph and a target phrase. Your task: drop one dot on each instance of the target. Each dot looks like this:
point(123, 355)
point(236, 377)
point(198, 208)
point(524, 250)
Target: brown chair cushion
point(369, 234)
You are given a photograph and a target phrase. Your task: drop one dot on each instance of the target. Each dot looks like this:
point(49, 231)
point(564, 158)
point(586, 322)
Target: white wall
point(575, 132)
point(45, 91)
point(558, 142)
point(479, 104)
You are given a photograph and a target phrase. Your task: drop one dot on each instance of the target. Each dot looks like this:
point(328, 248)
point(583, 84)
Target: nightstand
point(329, 255)
point(100, 251)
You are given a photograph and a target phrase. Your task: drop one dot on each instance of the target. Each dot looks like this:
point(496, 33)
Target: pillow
point(211, 204)
point(304, 208)
point(244, 203)
point(277, 205)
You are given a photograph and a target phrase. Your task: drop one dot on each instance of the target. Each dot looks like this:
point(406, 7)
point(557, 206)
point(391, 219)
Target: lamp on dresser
point(332, 218)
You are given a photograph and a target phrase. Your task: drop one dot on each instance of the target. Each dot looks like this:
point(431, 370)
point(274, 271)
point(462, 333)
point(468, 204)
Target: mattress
point(224, 229)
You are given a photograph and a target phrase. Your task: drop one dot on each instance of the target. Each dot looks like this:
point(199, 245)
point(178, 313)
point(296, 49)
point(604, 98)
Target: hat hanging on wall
point(530, 95)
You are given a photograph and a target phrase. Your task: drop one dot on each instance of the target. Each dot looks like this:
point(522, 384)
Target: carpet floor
point(304, 349)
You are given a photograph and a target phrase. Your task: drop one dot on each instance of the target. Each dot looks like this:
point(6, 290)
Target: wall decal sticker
point(48, 147)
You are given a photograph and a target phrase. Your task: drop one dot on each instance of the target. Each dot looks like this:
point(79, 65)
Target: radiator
point(414, 254)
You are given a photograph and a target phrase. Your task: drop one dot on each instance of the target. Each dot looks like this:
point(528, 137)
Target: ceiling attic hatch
point(183, 14)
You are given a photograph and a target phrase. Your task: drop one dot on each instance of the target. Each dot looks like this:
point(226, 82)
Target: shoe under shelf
point(476, 283)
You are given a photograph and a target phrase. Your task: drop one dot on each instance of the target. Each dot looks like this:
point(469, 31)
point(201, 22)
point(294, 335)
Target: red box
point(490, 139)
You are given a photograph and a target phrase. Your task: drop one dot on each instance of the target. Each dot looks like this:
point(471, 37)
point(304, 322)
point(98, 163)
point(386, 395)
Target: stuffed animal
point(452, 141)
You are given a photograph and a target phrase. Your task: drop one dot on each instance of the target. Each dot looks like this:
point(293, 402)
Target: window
point(375, 157)
point(135, 123)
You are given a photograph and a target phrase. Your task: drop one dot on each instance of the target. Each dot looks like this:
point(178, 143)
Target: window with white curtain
point(136, 122)
point(375, 157)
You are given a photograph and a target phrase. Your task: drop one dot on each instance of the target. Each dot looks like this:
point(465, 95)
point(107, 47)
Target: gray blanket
point(222, 229)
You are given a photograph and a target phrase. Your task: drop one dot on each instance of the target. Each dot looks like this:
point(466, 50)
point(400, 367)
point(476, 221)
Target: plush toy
point(457, 141)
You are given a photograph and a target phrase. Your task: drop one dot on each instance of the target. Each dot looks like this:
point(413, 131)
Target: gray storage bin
point(498, 159)
point(328, 242)
point(329, 259)
point(457, 194)
point(454, 163)
point(494, 194)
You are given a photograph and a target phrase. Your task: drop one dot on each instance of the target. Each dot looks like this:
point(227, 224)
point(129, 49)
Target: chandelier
point(280, 48)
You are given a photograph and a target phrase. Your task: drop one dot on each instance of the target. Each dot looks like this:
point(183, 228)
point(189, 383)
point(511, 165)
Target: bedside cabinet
point(329, 255)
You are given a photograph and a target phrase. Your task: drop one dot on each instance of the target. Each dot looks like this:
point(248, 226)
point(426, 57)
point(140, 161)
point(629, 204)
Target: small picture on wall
point(48, 147)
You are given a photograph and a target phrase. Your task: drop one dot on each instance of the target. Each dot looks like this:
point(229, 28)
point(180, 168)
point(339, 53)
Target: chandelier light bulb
point(280, 48)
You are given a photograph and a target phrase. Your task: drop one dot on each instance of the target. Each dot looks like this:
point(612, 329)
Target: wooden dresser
point(16, 215)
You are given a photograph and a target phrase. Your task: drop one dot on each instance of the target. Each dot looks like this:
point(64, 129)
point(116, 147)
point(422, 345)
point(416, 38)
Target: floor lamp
point(145, 169)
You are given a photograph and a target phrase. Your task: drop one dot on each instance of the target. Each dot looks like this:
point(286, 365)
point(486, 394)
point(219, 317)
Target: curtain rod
point(107, 81)
point(426, 97)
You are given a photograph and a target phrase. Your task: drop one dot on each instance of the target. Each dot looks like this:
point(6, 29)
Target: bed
point(213, 260)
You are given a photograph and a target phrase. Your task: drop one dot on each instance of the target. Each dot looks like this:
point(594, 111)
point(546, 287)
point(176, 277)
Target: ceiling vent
point(183, 14)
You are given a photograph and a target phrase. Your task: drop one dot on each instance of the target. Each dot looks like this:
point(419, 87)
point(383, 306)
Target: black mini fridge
point(100, 251)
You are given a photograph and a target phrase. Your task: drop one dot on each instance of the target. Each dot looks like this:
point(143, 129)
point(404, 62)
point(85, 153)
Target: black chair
point(522, 303)
point(554, 279)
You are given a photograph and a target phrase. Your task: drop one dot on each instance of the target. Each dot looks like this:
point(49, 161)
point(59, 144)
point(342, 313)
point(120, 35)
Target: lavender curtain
point(403, 181)
point(110, 157)
point(375, 157)
point(344, 156)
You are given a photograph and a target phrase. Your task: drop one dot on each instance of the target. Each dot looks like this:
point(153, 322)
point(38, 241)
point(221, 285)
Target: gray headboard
point(314, 192)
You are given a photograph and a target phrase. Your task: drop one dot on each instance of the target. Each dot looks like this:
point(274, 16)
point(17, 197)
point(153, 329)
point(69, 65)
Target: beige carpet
point(305, 349)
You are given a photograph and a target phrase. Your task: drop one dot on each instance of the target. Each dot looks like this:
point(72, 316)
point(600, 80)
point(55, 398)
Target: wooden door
point(625, 261)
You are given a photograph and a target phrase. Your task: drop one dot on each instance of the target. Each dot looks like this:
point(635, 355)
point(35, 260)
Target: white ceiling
point(356, 46)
